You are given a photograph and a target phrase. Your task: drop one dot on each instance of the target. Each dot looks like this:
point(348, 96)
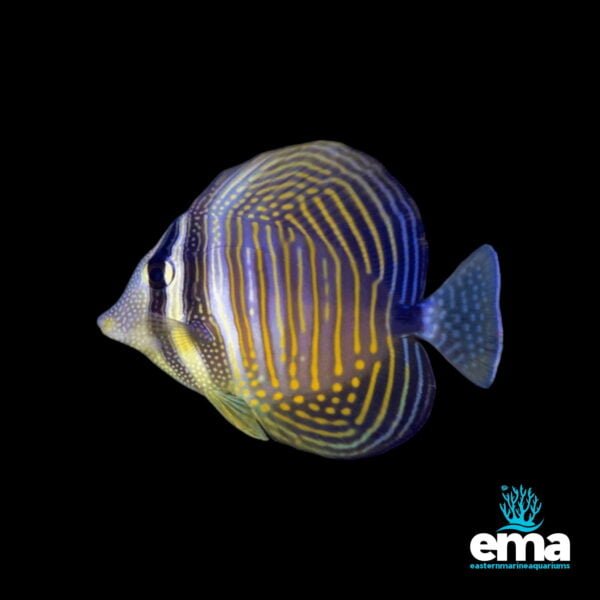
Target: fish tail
point(462, 318)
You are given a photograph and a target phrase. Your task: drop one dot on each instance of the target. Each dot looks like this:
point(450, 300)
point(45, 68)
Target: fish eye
point(160, 274)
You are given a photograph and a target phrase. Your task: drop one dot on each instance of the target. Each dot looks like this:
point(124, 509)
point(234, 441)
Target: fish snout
point(108, 325)
point(127, 328)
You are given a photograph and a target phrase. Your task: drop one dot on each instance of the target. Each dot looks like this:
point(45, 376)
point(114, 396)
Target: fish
point(291, 295)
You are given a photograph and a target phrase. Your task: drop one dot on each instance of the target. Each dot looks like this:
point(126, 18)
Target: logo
point(520, 507)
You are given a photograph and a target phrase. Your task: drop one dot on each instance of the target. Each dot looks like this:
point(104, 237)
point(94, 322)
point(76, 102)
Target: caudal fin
point(462, 319)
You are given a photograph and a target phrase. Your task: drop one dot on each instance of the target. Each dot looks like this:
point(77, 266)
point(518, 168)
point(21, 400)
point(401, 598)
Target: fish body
point(290, 295)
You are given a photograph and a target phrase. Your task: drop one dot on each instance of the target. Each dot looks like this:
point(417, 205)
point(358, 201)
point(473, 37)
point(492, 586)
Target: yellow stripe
point(276, 184)
point(369, 397)
point(225, 194)
point(373, 346)
point(351, 223)
point(270, 171)
point(232, 287)
point(265, 169)
point(337, 339)
point(289, 296)
point(314, 359)
point(300, 289)
point(244, 311)
point(342, 183)
point(365, 215)
point(278, 313)
point(370, 225)
point(263, 308)
point(262, 191)
point(389, 228)
point(392, 240)
point(326, 289)
point(388, 391)
point(320, 420)
point(392, 351)
point(353, 266)
point(376, 238)
point(322, 432)
point(340, 205)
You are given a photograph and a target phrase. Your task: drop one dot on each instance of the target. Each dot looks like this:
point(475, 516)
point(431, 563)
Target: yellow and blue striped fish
point(290, 295)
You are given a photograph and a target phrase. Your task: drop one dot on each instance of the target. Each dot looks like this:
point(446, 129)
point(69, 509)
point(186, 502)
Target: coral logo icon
point(520, 508)
point(522, 549)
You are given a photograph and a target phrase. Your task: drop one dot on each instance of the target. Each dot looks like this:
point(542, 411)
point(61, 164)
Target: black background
point(172, 489)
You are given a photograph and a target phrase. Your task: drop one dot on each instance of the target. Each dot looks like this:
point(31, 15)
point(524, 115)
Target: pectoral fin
point(195, 332)
point(187, 339)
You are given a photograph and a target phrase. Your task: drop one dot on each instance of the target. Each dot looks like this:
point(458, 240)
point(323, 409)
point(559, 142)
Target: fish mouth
point(108, 325)
point(137, 337)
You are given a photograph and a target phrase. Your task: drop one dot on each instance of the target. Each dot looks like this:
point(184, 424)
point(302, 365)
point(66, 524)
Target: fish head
point(150, 308)
point(129, 320)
